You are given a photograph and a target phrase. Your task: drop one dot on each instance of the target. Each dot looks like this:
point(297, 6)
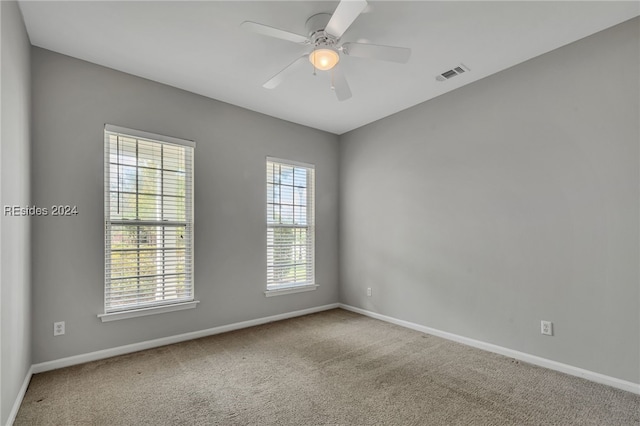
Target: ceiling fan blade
point(344, 15)
point(274, 32)
point(339, 84)
point(375, 51)
point(275, 81)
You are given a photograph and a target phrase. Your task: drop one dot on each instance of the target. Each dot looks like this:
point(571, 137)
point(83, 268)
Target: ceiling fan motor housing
point(315, 26)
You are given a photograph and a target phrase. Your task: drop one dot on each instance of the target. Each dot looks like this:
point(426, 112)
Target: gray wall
point(15, 287)
point(511, 200)
point(72, 100)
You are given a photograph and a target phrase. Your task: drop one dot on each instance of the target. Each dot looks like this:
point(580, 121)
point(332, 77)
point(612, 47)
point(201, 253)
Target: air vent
point(452, 73)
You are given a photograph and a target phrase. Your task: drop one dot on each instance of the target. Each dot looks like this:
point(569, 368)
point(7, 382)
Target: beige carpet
point(335, 367)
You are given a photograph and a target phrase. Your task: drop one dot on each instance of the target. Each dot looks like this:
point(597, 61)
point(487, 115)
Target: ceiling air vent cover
point(452, 73)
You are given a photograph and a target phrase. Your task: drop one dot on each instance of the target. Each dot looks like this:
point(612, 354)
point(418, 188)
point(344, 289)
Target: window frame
point(111, 313)
point(307, 285)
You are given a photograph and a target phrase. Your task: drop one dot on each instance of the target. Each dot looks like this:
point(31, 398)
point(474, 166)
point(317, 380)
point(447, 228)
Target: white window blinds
point(290, 224)
point(148, 220)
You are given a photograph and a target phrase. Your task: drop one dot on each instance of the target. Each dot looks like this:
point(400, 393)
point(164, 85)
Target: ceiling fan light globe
point(324, 59)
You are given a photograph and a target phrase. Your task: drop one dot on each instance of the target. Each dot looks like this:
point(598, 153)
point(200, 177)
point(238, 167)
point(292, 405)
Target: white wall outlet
point(546, 328)
point(58, 328)
point(368, 291)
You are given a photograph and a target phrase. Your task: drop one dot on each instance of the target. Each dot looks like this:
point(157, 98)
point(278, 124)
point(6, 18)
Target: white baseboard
point(531, 359)
point(23, 390)
point(135, 347)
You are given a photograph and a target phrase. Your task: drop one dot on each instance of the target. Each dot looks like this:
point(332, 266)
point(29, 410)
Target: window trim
point(291, 289)
point(147, 135)
point(151, 309)
point(311, 200)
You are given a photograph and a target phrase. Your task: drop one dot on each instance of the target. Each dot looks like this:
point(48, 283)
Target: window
point(148, 221)
point(290, 226)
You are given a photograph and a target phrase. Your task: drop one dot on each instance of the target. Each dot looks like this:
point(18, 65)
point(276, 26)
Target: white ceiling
point(200, 47)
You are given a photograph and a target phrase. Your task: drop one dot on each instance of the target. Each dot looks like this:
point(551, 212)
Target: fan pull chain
point(333, 87)
point(313, 55)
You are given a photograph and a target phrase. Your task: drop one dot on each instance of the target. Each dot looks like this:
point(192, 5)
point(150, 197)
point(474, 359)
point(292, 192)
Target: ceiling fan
point(324, 38)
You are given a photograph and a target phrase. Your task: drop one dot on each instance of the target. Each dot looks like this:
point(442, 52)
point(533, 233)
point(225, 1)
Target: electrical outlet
point(58, 328)
point(546, 328)
point(368, 291)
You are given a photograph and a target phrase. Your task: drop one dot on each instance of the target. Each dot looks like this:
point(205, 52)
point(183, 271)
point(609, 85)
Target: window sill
point(290, 290)
point(114, 316)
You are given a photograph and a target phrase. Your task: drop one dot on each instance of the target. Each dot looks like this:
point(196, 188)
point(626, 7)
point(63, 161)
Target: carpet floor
point(331, 368)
